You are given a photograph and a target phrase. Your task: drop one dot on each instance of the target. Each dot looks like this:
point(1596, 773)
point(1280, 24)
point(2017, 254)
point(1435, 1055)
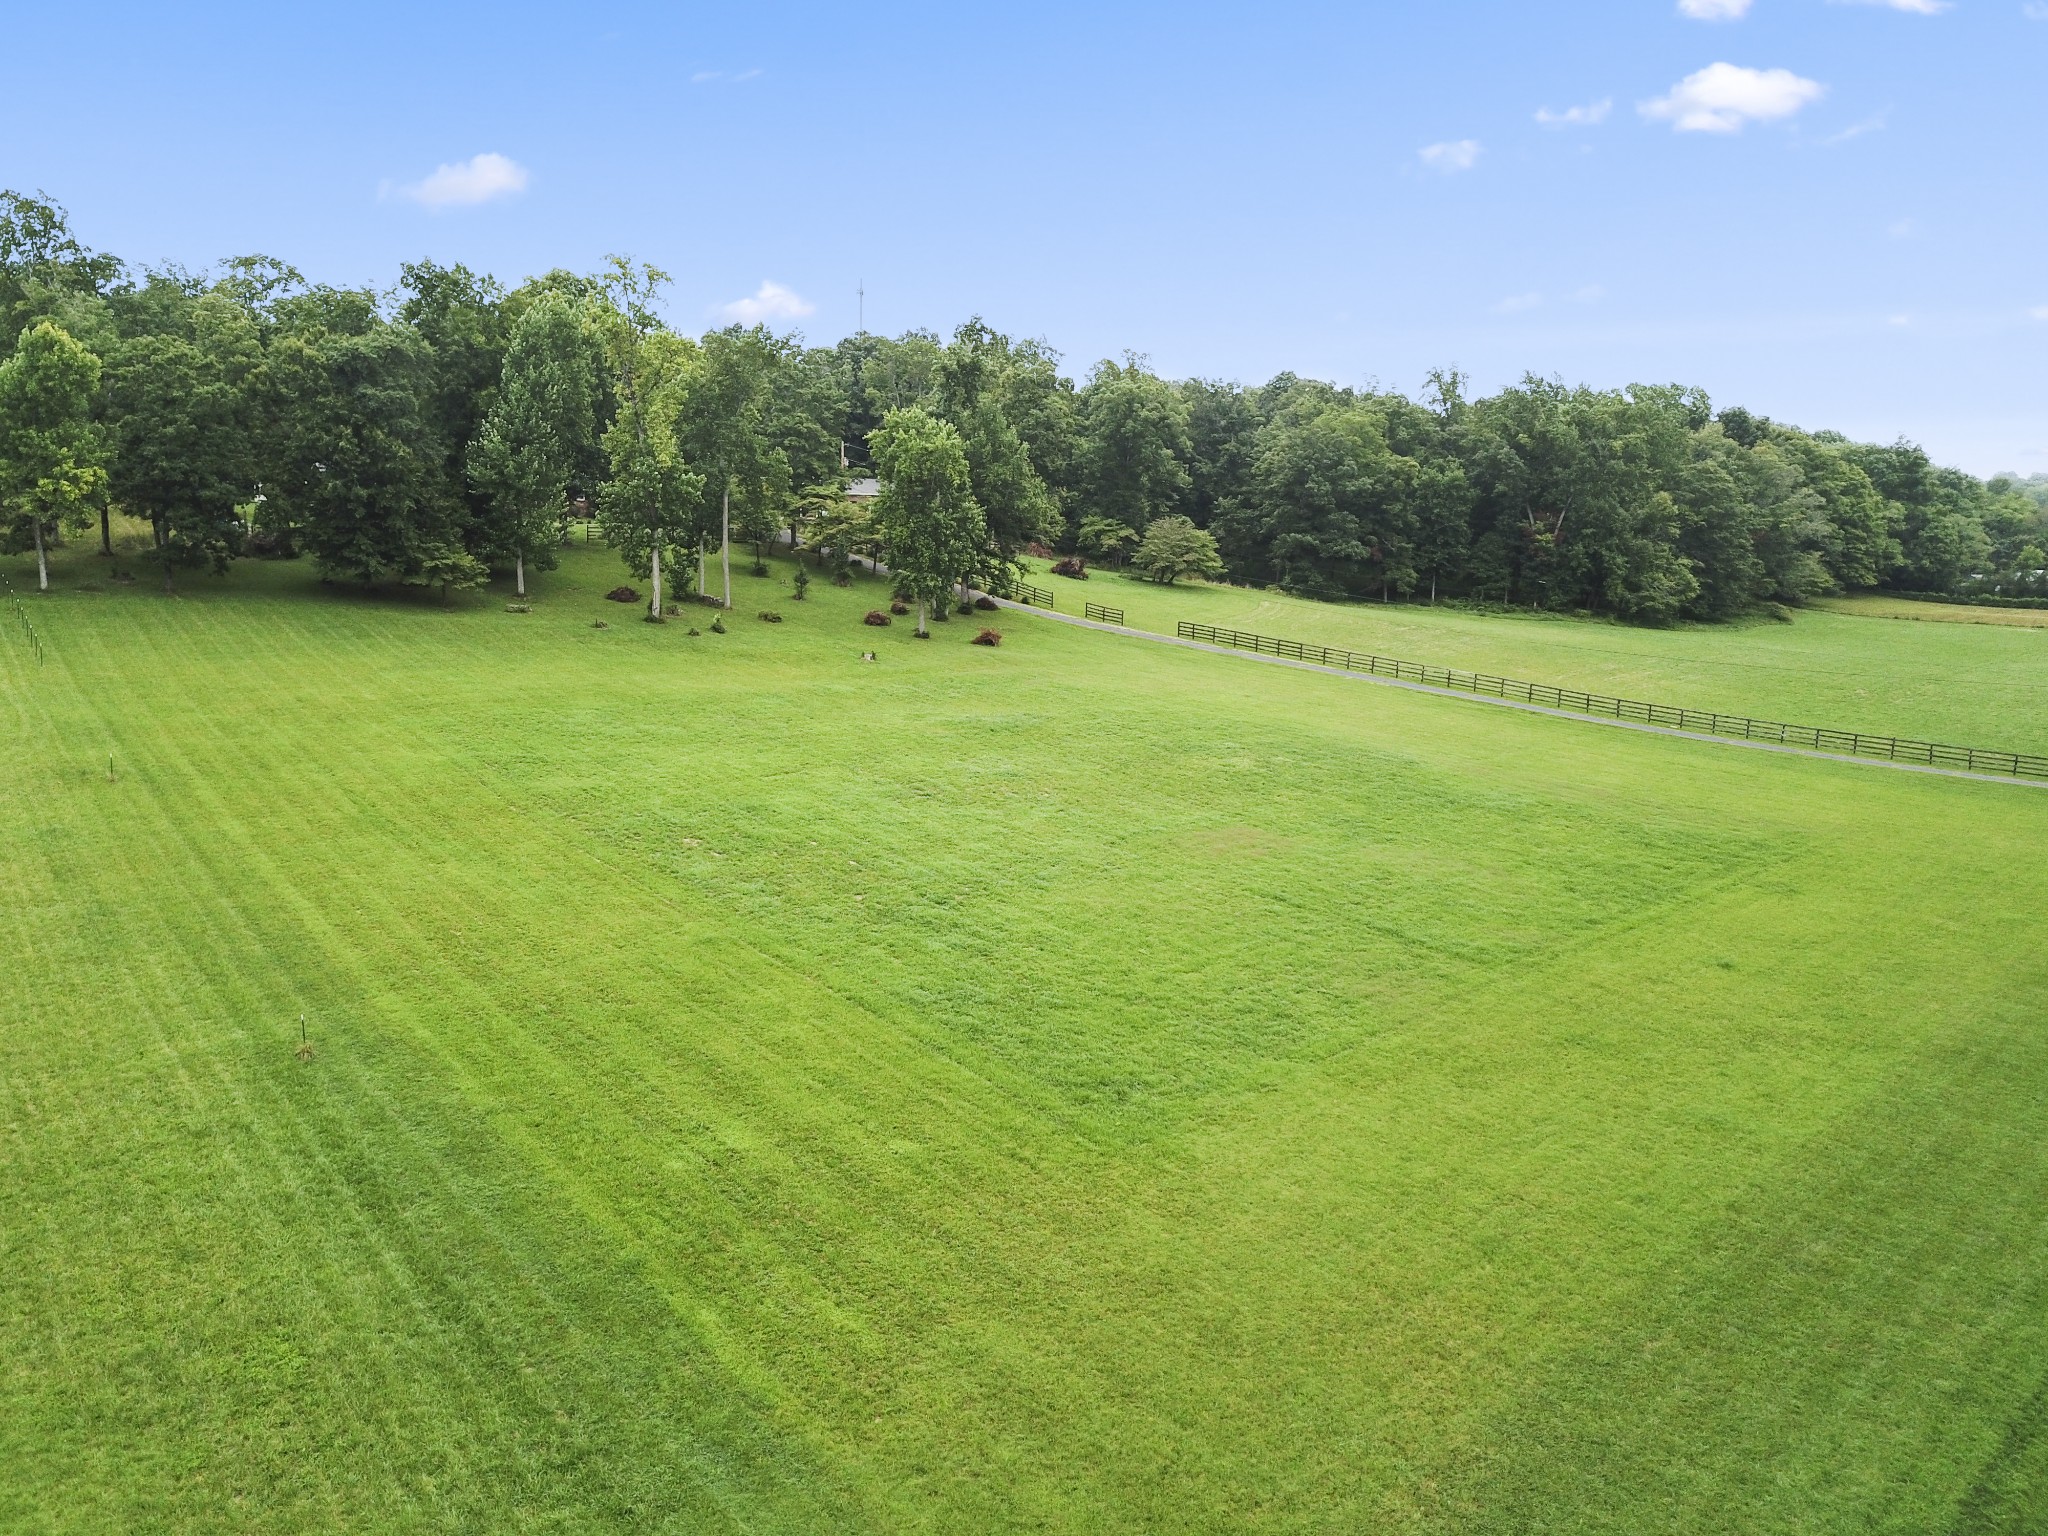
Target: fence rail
point(1023, 592)
point(1897, 749)
point(1102, 615)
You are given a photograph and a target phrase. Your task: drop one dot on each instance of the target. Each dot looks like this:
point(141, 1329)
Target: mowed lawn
point(1080, 1086)
point(1979, 680)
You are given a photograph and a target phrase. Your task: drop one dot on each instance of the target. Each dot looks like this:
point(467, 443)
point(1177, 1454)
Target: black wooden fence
point(1897, 749)
point(1103, 615)
point(1022, 592)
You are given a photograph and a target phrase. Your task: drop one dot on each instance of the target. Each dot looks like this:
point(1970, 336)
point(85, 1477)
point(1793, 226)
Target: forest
point(446, 431)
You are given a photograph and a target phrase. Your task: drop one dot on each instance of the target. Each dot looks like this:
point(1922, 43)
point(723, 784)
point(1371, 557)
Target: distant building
point(867, 488)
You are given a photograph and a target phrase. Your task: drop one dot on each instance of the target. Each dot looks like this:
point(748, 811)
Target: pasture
point(1079, 1085)
point(1980, 680)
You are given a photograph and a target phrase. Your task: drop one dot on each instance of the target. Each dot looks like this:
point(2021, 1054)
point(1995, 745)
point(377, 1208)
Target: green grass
point(1076, 1086)
point(1972, 684)
point(1873, 605)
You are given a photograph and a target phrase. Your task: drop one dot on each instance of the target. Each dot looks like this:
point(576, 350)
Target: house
point(864, 490)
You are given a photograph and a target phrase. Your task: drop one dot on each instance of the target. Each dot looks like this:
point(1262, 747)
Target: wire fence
point(1897, 749)
point(28, 628)
point(1102, 615)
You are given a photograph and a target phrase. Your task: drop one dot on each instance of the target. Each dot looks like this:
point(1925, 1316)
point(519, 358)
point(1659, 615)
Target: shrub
point(876, 617)
point(600, 624)
point(770, 616)
point(270, 544)
point(718, 626)
point(898, 607)
point(695, 631)
point(986, 603)
point(622, 595)
point(842, 577)
point(988, 637)
point(800, 585)
point(1073, 566)
point(519, 607)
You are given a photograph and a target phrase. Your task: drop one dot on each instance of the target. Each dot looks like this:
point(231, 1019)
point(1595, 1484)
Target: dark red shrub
point(985, 603)
point(899, 607)
point(1073, 566)
point(876, 617)
point(989, 637)
point(623, 595)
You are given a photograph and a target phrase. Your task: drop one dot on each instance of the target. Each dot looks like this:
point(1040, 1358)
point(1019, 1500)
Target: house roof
point(864, 489)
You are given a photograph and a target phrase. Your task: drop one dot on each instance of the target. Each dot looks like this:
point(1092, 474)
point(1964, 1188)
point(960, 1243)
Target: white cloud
point(771, 301)
point(1856, 130)
point(478, 179)
point(1915, 7)
point(1576, 117)
point(2035, 10)
point(1518, 303)
point(1714, 10)
point(1903, 229)
point(1722, 97)
point(1592, 293)
point(1456, 155)
point(2039, 312)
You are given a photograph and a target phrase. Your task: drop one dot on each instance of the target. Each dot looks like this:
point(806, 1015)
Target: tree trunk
point(1432, 591)
point(163, 555)
point(106, 532)
point(725, 544)
point(519, 567)
point(700, 565)
point(654, 602)
point(42, 562)
point(920, 616)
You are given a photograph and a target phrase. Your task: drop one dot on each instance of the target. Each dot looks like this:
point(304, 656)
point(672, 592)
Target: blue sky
point(1830, 212)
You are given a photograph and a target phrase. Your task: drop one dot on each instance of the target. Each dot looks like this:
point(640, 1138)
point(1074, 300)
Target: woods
point(439, 435)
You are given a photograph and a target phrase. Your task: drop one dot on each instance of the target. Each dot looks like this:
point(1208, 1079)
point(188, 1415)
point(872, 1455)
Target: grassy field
point(1975, 684)
point(1076, 1086)
point(1872, 605)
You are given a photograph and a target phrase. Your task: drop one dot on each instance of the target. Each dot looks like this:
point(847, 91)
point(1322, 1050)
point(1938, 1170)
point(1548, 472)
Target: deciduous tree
point(538, 431)
point(930, 523)
point(51, 454)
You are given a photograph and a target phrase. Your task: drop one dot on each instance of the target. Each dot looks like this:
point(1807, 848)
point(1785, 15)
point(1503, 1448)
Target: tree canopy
point(436, 434)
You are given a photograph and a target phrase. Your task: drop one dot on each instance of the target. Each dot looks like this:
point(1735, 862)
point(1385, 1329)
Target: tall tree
point(461, 318)
point(355, 465)
point(179, 418)
point(970, 389)
point(41, 260)
point(537, 434)
point(930, 524)
point(648, 503)
point(50, 450)
point(726, 426)
point(1134, 444)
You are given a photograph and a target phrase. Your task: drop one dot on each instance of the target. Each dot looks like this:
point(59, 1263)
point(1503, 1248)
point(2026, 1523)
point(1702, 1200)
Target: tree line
point(444, 432)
